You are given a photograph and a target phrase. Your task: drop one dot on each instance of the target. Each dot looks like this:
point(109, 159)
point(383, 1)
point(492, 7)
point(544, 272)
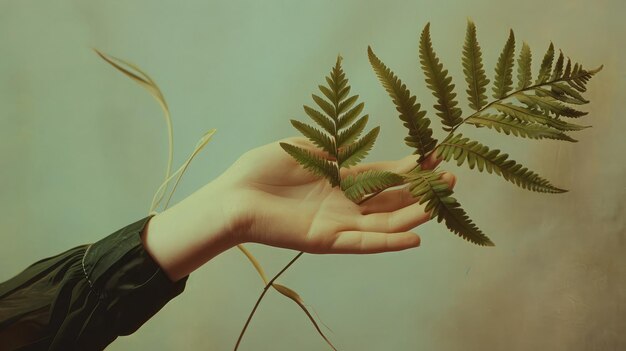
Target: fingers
point(395, 199)
point(400, 220)
point(402, 165)
point(355, 242)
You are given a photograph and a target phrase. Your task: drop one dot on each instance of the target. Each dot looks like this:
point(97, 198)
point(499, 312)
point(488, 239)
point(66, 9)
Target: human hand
point(279, 203)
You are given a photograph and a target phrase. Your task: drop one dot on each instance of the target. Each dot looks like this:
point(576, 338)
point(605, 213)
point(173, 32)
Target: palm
point(295, 209)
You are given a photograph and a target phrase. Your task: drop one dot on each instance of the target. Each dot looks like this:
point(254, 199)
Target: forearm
point(187, 235)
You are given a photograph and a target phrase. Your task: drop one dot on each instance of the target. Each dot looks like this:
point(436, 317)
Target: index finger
point(402, 165)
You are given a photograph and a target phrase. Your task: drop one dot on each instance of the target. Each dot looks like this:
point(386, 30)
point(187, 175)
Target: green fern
point(464, 150)
point(356, 187)
point(420, 134)
point(429, 187)
point(503, 82)
point(473, 68)
point(439, 82)
point(340, 139)
point(534, 109)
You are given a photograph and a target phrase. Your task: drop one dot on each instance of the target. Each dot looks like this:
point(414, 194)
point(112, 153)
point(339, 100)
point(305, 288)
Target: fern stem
point(269, 284)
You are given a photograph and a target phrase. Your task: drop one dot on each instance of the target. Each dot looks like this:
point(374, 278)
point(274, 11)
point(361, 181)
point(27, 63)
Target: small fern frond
point(525, 114)
point(477, 155)
point(524, 73)
point(318, 137)
point(415, 120)
point(503, 82)
point(356, 187)
point(313, 163)
point(430, 188)
point(473, 68)
point(353, 153)
point(509, 125)
point(439, 82)
point(546, 65)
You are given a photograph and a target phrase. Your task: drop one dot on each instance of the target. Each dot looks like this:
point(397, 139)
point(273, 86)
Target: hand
point(267, 197)
point(281, 204)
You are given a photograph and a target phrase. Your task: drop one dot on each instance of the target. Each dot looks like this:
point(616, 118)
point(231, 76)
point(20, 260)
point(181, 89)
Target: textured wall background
point(83, 149)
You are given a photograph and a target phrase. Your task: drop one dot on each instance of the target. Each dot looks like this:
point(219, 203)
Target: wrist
point(195, 230)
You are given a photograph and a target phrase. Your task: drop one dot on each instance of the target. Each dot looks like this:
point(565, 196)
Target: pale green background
point(83, 149)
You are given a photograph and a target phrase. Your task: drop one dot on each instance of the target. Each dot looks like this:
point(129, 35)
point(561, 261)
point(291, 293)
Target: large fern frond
point(415, 120)
point(356, 187)
point(439, 82)
point(509, 125)
point(473, 68)
point(477, 155)
point(430, 188)
point(503, 82)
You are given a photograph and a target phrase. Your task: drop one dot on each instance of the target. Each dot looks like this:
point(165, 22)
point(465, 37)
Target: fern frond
point(566, 93)
point(318, 138)
point(320, 119)
point(439, 82)
point(473, 68)
point(349, 116)
point(313, 163)
point(525, 114)
point(415, 120)
point(477, 155)
point(353, 153)
point(524, 73)
point(503, 82)
point(509, 125)
point(351, 133)
point(430, 188)
point(558, 67)
point(356, 187)
point(546, 65)
point(548, 104)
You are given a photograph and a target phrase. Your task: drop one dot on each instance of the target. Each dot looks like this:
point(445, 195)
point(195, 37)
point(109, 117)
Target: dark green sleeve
point(86, 297)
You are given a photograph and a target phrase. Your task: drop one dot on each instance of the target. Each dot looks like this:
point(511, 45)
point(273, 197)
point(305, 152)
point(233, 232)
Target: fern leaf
point(439, 82)
point(351, 133)
point(546, 65)
point(313, 163)
point(549, 104)
point(430, 188)
point(317, 137)
point(325, 106)
point(565, 90)
point(509, 125)
point(524, 114)
point(463, 149)
point(558, 67)
point(415, 120)
point(473, 68)
point(320, 119)
point(355, 152)
point(503, 82)
point(356, 187)
point(524, 74)
point(558, 95)
point(349, 116)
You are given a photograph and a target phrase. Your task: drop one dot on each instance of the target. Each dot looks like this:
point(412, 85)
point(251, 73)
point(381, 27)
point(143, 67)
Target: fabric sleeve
point(88, 296)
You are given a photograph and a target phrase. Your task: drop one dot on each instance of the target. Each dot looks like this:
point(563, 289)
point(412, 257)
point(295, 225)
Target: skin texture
point(267, 197)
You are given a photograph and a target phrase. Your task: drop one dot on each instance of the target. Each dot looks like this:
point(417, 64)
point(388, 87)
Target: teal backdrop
point(82, 149)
